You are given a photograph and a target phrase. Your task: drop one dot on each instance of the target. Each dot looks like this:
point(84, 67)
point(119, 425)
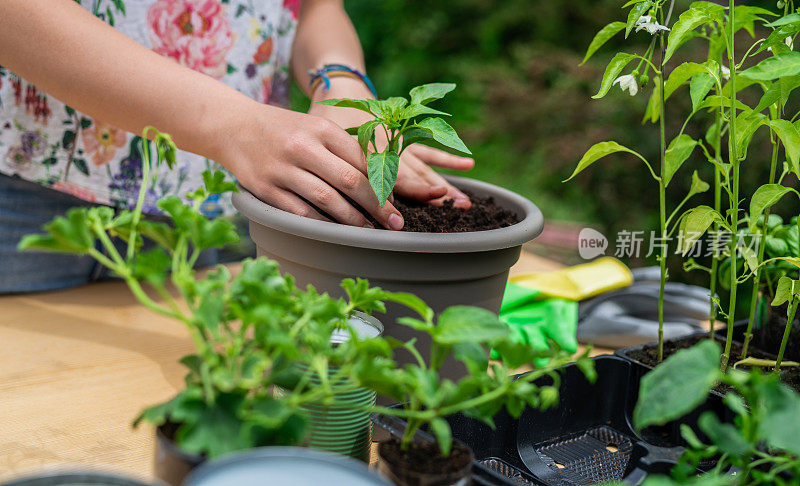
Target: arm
point(325, 35)
point(80, 60)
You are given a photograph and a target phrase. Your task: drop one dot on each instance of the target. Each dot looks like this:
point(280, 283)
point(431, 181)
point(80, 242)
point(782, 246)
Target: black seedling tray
point(588, 439)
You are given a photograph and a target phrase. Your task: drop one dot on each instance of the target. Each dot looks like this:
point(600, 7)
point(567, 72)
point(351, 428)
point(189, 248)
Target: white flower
point(789, 43)
point(628, 83)
point(649, 24)
point(726, 73)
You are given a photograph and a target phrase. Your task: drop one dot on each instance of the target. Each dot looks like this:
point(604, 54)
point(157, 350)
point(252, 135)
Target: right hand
point(289, 159)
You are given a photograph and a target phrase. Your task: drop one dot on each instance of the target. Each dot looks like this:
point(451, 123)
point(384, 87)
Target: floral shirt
point(244, 43)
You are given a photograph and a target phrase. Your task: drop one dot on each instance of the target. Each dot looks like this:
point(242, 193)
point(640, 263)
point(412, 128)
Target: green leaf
point(698, 185)
point(788, 19)
point(779, 426)
point(746, 17)
point(214, 430)
point(790, 137)
point(473, 356)
point(695, 223)
point(785, 64)
point(67, 139)
point(364, 297)
point(443, 133)
point(81, 165)
point(699, 87)
point(68, 234)
point(678, 151)
point(746, 125)
point(698, 14)
point(426, 93)
point(680, 75)
point(382, 171)
point(347, 103)
point(415, 110)
point(366, 134)
point(636, 12)
point(765, 197)
point(770, 97)
point(602, 37)
point(461, 324)
point(444, 436)
point(152, 266)
point(613, 70)
point(597, 152)
point(725, 436)
point(412, 302)
point(678, 385)
point(216, 182)
point(653, 111)
point(785, 291)
point(414, 135)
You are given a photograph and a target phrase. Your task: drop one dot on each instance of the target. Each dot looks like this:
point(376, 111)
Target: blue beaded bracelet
point(328, 71)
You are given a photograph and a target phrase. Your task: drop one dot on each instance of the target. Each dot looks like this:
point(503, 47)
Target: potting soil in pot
point(424, 464)
point(484, 214)
point(769, 335)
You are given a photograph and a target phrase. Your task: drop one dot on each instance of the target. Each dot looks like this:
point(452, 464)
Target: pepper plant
point(465, 334)
point(402, 122)
point(769, 65)
point(761, 443)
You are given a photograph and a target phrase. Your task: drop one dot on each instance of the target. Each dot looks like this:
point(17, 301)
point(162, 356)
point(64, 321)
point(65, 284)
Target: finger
point(283, 199)
point(411, 185)
point(344, 146)
point(440, 158)
point(425, 173)
point(322, 195)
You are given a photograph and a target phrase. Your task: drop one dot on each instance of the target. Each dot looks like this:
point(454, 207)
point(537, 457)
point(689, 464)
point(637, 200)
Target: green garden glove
point(535, 319)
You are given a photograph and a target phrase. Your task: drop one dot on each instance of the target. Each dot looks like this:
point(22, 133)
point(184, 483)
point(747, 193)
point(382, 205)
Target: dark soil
point(791, 377)
point(424, 458)
point(648, 355)
point(484, 214)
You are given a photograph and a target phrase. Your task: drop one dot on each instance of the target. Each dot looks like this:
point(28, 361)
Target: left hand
point(415, 177)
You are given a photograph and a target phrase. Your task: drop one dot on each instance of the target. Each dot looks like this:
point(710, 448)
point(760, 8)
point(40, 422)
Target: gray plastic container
point(443, 269)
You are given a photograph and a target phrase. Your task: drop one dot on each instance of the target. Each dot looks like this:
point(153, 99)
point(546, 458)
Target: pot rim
point(529, 227)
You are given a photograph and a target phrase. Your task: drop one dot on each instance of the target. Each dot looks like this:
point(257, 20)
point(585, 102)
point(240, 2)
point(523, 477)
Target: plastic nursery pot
point(284, 465)
point(443, 269)
point(343, 428)
point(587, 439)
point(172, 464)
point(423, 465)
point(77, 478)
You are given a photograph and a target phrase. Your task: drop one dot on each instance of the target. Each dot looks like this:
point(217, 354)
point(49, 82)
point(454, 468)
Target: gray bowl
point(444, 269)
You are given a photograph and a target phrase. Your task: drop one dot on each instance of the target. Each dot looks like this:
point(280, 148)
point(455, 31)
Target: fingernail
point(395, 222)
point(368, 225)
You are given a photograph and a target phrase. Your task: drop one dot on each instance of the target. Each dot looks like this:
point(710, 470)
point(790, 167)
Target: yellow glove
point(581, 281)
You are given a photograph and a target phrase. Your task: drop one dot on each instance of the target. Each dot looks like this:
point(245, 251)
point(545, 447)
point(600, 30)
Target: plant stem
point(748, 336)
point(662, 200)
point(733, 158)
point(712, 287)
point(786, 331)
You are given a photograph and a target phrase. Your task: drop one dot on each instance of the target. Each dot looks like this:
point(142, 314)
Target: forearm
point(325, 35)
point(78, 59)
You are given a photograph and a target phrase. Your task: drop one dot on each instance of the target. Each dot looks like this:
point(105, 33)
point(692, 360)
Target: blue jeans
point(24, 208)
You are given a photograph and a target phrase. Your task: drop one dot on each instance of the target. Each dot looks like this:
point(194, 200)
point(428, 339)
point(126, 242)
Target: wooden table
point(78, 365)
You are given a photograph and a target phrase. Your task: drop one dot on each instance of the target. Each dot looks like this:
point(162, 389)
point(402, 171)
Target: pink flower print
point(292, 6)
point(74, 189)
point(103, 140)
point(196, 33)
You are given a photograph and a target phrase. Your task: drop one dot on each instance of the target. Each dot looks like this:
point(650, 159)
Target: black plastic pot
point(587, 439)
point(172, 464)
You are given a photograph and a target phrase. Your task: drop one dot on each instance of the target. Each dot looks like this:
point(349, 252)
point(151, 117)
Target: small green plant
point(250, 330)
point(763, 440)
point(465, 334)
point(402, 122)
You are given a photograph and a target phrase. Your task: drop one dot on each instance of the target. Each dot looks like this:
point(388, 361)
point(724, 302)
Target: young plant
point(401, 122)
point(250, 330)
point(763, 441)
point(777, 77)
point(465, 334)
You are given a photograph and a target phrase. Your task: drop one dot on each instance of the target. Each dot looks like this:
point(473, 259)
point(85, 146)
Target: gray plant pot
point(442, 269)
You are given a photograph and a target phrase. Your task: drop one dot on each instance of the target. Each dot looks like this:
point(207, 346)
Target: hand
point(415, 174)
point(289, 159)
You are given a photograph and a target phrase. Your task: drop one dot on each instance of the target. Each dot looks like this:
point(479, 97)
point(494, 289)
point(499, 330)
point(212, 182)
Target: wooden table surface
point(78, 365)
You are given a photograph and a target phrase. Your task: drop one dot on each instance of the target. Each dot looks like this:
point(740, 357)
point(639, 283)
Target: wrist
point(342, 87)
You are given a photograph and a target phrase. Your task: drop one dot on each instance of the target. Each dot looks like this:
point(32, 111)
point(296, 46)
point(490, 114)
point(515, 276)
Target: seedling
point(403, 123)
